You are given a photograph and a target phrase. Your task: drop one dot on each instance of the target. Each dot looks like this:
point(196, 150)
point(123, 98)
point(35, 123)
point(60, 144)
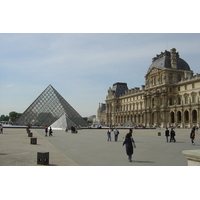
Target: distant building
point(170, 96)
point(101, 113)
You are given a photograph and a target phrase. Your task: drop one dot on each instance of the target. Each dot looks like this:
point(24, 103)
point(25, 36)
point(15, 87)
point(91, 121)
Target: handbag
point(134, 145)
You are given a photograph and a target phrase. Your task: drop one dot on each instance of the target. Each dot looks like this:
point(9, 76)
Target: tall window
point(179, 116)
point(172, 117)
point(185, 87)
point(170, 101)
point(193, 86)
point(186, 99)
point(179, 100)
point(186, 116)
point(178, 78)
point(154, 80)
point(194, 116)
point(193, 98)
point(153, 103)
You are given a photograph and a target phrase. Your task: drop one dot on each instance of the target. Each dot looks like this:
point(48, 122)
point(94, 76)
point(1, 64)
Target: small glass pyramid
point(48, 108)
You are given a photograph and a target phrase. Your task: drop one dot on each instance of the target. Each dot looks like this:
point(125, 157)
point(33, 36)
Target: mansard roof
point(119, 88)
point(163, 60)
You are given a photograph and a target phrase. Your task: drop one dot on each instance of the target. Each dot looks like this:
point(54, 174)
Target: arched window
point(172, 117)
point(194, 116)
point(186, 115)
point(139, 118)
point(178, 78)
point(179, 116)
point(153, 103)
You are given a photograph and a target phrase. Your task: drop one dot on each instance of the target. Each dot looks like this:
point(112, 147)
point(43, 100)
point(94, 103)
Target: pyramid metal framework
point(48, 108)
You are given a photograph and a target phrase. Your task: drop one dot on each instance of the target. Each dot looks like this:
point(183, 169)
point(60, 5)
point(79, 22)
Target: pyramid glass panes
point(48, 108)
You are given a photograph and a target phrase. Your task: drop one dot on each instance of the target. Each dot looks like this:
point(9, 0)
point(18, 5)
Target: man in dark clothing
point(50, 131)
point(46, 131)
point(172, 135)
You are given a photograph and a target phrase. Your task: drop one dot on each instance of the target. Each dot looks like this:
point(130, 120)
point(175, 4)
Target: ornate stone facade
point(170, 96)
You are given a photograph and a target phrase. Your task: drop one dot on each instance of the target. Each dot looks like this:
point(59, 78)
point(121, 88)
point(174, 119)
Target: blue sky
point(81, 67)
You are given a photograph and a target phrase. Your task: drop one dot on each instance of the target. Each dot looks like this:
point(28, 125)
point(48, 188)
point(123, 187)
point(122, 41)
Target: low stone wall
point(193, 157)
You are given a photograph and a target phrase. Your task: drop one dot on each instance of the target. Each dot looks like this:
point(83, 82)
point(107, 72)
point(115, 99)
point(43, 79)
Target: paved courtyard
point(89, 147)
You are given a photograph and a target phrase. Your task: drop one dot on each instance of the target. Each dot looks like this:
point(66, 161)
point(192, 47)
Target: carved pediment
point(153, 71)
point(154, 77)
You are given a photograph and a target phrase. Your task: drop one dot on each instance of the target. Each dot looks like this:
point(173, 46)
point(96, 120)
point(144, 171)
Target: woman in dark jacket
point(192, 136)
point(167, 134)
point(129, 145)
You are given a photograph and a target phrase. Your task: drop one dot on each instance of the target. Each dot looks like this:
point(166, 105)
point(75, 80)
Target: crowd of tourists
point(172, 134)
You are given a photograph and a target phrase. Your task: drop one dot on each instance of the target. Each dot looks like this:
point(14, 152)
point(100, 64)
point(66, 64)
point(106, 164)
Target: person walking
point(1, 128)
point(172, 135)
point(116, 133)
point(109, 134)
point(75, 129)
point(72, 129)
point(46, 131)
point(167, 134)
point(192, 136)
point(50, 131)
point(129, 145)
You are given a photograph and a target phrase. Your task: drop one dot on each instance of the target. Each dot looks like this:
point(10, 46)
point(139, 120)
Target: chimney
point(173, 58)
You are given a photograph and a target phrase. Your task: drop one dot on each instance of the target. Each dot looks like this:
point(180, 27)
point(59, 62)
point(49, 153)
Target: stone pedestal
point(43, 158)
point(33, 140)
point(193, 157)
point(30, 134)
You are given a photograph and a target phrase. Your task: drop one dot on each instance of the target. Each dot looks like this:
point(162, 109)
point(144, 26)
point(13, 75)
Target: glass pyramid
point(48, 108)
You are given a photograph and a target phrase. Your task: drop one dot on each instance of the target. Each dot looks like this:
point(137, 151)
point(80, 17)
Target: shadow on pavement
point(140, 161)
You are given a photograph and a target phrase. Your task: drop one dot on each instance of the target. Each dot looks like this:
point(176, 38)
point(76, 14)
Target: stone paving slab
point(16, 150)
point(91, 148)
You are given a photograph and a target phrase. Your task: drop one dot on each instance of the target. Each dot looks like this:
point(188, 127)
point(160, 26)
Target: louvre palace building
point(170, 96)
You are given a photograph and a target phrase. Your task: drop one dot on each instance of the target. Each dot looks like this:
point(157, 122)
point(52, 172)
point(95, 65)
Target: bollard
point(33, 140)
point(30, 134)
point(43, 158)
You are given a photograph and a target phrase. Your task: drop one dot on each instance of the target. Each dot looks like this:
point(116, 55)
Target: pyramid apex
point(50, 86)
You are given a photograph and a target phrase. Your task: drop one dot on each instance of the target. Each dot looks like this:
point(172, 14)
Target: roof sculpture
point(48, 108)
